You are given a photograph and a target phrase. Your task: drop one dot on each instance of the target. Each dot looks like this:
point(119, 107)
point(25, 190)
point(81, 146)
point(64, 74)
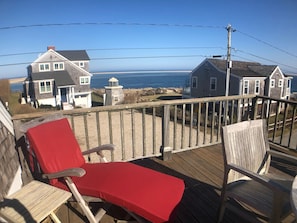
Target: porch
point(180, 137)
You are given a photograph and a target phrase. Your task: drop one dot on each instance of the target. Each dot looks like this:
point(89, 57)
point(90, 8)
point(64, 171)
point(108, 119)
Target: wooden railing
point(282, 120)
point(164, 127)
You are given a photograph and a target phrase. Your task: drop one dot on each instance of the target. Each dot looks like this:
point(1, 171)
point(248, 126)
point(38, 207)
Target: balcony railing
point(164, 127)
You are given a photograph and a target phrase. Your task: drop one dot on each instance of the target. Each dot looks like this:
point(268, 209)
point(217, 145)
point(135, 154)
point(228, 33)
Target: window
point(84, 80)
point(257, 87)
point(213, 83)
point(81, 64)
point(194, 82)
point(280, 83)
point(44, 67)
point(59, 66)
point(245, 87)
point(45, 87)
point(288, 83)
point(272, 83)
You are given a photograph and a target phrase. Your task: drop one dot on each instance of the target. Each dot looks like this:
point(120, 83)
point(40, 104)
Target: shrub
point(4, 90)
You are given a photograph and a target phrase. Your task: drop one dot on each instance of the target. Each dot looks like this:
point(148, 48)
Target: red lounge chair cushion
point(143, 191)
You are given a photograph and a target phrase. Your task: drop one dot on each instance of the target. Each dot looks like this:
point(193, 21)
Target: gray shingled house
point(208, 79)
point(59, 78)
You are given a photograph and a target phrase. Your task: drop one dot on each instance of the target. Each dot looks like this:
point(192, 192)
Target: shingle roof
point(62, 78)
point(245, 69)
point(74, 55)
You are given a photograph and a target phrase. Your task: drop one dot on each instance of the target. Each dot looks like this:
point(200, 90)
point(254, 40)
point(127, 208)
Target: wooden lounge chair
point(247, 180)
point(141, 191)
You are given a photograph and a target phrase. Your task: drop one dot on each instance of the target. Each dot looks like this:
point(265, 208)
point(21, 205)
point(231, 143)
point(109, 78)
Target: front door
point(63, 94)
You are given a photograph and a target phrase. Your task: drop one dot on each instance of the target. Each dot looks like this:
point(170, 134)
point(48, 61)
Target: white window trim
point(82, 80)
point(272, 83)
point(45, 89)
point(257, 84)
point(246, 87)
point(83, 63)
point(280, 83)
point(59, 68)
point(192, 84)
point(215, 83)
point(44, 64)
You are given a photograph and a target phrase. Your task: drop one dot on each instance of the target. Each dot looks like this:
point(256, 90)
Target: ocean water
point(143, 80)
point(134, 80)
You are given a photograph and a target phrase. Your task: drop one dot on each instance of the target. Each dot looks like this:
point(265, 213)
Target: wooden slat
point(33, 203)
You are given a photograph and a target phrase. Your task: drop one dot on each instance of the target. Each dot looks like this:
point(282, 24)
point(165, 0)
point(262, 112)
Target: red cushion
point(55, 146)
point(143, 191)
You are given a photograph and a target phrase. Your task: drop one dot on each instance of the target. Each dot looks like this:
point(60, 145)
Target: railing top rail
point(276, 99)
point(82, 111)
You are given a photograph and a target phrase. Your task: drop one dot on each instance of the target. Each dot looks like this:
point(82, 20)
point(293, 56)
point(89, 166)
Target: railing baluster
point(87, 135)
point(110, 133)
point(122, 135)
point(175, 128)
point(133, 134)
point(191, 125)
point(143, 133)
point(154, 130)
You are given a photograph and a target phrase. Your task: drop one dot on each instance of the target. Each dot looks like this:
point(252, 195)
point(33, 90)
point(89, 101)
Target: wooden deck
point(202, 171)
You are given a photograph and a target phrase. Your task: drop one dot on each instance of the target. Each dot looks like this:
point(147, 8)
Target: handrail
point(157, 128)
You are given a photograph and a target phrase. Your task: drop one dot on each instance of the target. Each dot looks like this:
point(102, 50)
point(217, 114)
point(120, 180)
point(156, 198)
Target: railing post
point(254, 108)
point(166, 150)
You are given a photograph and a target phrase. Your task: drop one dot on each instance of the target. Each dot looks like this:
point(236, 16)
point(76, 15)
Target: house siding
point(204, 74)
point(241, 72)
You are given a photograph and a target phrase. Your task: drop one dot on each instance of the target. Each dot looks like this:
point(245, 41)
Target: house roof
point(245, 69)
point(62, 78)
point(74, 55)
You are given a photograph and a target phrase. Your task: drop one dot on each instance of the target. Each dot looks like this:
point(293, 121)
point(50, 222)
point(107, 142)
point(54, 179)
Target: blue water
point(142, 80)
point(134, 80)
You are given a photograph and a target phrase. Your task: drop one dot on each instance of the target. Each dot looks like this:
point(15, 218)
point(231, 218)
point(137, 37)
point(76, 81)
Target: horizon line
point(139, 71)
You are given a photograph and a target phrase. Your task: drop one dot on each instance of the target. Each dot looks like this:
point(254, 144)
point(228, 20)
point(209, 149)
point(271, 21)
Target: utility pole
point(229, 62)
point(228, 70)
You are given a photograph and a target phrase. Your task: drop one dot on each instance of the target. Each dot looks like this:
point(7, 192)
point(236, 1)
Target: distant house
point(209, 79)
point(59, 78)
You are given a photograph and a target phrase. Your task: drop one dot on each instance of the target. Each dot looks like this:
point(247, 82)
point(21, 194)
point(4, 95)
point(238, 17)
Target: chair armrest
point(282, 156)
point(71, 172)
point(99, 150)
point(259, 178)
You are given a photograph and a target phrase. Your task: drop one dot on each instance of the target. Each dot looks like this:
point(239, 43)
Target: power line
point(110, 23)
point(126, 48)
point(268, 44)
point(275, 62)
point(114, 58)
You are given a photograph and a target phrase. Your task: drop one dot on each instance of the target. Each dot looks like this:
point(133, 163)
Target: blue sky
point(148, 34)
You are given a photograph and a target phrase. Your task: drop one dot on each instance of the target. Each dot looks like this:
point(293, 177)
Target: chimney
point(51, 48)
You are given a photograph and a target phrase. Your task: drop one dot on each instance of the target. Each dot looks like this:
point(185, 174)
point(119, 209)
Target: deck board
point(202, 171)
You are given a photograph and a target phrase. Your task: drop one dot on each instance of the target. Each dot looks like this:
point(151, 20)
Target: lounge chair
point(144, 193)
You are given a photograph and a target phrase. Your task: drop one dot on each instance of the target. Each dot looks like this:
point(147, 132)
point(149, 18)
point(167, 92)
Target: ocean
point(143, 80)
point(135, 80)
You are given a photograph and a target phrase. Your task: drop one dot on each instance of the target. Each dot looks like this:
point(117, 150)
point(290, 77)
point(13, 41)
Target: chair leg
point(81, 201)
point(222, 207)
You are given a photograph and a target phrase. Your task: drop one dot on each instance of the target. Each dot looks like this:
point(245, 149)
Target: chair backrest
point(55, 146)
point(245, 144)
